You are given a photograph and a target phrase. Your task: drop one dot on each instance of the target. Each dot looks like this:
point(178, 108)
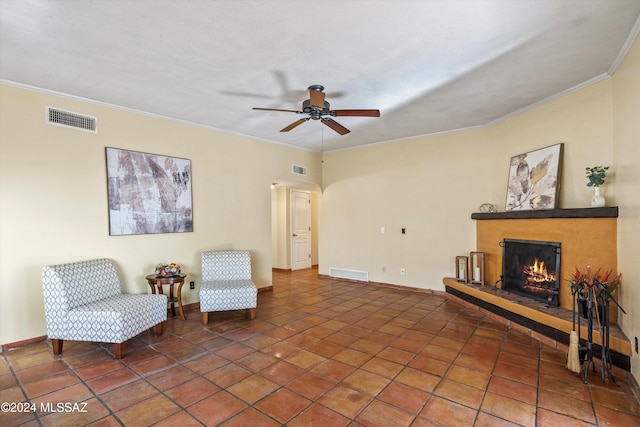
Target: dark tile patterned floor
point(321, 352)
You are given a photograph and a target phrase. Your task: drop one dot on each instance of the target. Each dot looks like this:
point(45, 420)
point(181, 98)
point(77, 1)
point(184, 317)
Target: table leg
point(180, 301)
point(173, 304)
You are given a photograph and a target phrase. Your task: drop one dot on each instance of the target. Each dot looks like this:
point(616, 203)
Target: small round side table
point(156, 281)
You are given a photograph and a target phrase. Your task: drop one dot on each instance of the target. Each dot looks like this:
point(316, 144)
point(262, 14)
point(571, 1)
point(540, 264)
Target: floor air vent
point(343, 273)
point(299, 170)
point(58, 117)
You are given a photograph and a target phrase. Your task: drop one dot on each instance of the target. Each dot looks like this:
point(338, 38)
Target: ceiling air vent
point(299, 170)
point(56, 116)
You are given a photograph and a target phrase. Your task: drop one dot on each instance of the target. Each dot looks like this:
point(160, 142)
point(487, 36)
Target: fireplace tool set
point(595, 292)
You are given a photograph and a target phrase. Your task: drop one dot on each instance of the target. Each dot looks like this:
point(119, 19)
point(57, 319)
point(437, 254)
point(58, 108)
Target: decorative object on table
point(534, 179)
point(596, 176)
point(476, 267)
point(148, 193)
point(462, 269)
point(168, 270)
point(488, 208)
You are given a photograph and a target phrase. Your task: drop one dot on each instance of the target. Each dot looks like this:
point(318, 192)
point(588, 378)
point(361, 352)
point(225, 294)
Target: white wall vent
point(69, 119)
point(299, 170)
point(343, 273)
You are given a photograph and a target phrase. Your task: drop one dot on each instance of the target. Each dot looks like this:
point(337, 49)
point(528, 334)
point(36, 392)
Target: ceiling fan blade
point(276, 109)
point(359, 113)
point(294, 124)
point(335, 126)
point(317, 98)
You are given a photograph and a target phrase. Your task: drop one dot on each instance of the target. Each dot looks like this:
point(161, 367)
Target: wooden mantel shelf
point(606, 212)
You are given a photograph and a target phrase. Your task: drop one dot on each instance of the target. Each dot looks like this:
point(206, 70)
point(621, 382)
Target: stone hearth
point(551, 325)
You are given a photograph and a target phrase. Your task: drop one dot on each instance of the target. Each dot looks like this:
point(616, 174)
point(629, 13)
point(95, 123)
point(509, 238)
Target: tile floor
point(321, 352)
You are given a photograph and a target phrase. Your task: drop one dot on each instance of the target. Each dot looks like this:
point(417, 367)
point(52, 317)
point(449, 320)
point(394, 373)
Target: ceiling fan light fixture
point(317, 109)
point(308, 108)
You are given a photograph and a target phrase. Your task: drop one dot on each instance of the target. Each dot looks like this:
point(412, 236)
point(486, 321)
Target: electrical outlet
point(384, 269)
point(402, 271)
point(192, 285)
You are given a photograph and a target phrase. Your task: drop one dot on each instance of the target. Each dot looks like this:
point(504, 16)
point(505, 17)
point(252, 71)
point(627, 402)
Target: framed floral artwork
point(148, 193)
point(534, 179)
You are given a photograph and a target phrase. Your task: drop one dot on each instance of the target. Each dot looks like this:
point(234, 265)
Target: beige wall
point(53, 201)
point(581, 120)
point(280, 255)
point(626, 158)
point(432, 185)
point(429, 186)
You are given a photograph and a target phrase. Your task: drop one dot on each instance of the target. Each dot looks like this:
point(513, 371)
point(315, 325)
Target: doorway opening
point(294, 225)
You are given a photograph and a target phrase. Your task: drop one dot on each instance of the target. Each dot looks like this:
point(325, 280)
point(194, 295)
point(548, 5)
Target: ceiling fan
point(319, 109)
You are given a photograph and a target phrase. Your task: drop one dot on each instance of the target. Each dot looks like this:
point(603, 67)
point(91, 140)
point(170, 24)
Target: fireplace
point(532, 268)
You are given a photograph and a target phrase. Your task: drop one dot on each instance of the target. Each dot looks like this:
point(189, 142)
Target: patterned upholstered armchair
point(226, 283)
point(83, 301)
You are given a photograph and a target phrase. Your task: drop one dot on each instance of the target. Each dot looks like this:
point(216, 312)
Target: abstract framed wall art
point(534, 179)
point(148, 193)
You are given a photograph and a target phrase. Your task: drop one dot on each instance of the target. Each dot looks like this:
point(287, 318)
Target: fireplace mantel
point(606, 212)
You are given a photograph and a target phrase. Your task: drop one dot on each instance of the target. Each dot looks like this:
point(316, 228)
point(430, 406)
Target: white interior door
point(300, 230)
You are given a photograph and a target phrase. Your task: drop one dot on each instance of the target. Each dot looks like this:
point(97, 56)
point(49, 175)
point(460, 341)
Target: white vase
point(597, 201)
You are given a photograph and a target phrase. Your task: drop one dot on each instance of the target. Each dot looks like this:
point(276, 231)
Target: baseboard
point(386, 285)
point(288, 270)
point(634, 386)
point(408, 288)
point(23, 343)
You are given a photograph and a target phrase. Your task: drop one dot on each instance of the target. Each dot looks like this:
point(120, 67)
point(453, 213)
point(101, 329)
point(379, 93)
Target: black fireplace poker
point(604, 295)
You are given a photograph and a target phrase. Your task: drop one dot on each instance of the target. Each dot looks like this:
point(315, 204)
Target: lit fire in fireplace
point(537, 273)
point(532, 268)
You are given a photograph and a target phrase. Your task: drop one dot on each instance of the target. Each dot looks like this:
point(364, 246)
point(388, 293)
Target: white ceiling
point(430, 66)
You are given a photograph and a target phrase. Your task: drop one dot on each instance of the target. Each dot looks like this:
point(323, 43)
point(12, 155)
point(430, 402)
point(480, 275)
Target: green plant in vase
point(596, 176)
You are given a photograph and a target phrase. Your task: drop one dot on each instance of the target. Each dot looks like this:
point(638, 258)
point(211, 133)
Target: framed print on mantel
point(534, 179)
point(148, 193)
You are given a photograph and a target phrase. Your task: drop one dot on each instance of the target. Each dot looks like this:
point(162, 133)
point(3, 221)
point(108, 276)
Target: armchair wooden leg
point(252, 313)
point(57, 345)
point(159, 327)
point(205, 317)
point(118, 349)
